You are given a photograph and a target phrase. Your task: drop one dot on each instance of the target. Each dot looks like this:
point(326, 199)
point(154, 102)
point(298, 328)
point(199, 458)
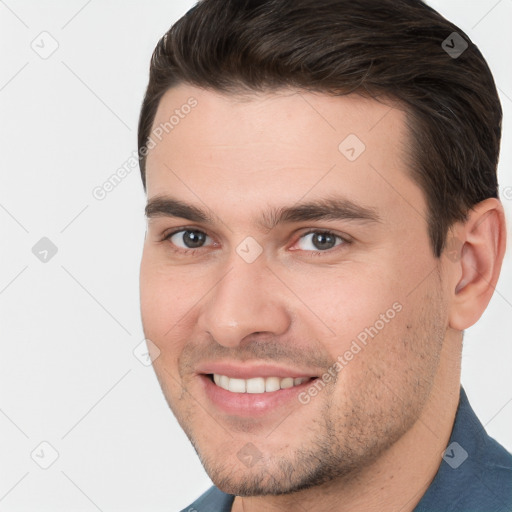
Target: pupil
point(324, 241)
point(193, 239)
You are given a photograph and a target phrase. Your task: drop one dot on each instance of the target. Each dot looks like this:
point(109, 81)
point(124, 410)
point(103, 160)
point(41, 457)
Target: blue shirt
point(475, 474)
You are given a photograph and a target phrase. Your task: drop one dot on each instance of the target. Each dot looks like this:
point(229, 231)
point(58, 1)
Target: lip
point(249, 371)
point(250, 404)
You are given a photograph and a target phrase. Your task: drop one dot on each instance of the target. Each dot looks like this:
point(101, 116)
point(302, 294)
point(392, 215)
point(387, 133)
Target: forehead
point(252, 118)
point(278, 147)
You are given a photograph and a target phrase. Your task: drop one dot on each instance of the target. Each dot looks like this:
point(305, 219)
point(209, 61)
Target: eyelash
point(314, 254)
point(192, 252)
point(187, 252)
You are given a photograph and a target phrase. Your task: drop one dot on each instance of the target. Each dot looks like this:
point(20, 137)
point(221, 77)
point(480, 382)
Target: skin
point(373, 438)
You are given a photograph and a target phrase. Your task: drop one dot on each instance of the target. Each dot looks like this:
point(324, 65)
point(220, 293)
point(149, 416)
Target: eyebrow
point(164, 206)
point(330, 208)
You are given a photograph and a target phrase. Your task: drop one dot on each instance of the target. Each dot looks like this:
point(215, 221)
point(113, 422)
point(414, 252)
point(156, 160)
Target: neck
point(401, 475)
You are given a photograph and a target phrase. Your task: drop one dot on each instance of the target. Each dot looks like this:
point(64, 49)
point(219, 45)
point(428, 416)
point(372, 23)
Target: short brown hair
point(387, 48)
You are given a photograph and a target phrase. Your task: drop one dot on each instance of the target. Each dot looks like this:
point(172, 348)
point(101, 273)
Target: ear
point(476, 250)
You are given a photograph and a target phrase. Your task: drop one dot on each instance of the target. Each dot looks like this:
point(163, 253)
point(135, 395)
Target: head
point(323, 203)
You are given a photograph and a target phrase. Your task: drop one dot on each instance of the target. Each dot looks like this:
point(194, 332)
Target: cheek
point(167, 297)
point(164, 306)
point(343, 302)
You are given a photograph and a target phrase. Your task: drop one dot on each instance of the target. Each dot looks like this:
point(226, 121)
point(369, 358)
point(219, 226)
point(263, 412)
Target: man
point(323, 225)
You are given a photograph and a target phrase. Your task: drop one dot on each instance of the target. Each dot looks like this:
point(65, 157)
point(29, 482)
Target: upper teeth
point(257, 384)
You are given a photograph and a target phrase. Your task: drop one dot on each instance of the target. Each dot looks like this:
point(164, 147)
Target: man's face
point(267, 290)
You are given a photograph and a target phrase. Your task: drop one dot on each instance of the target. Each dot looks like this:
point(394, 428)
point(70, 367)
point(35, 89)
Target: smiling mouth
point(256, 384)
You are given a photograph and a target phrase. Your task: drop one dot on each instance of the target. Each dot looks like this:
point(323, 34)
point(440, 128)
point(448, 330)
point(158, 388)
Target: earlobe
point(481, 247)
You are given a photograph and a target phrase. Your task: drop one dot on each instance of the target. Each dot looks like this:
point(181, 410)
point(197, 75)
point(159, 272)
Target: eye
point(188, 238)
point(319, 241)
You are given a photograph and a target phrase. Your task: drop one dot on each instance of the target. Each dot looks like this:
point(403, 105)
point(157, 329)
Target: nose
point(249, 299)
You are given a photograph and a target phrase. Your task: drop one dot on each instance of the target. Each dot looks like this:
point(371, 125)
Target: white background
point(68, 375)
